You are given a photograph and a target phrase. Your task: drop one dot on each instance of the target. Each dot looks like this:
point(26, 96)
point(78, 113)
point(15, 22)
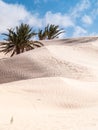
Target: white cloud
point(34, 20)
point(87, 19)
point(13, 14)
point(51, 18)
point(58, 19)
point(79, 31)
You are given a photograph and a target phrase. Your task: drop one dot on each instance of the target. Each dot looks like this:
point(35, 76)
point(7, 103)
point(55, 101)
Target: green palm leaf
point(18, 40)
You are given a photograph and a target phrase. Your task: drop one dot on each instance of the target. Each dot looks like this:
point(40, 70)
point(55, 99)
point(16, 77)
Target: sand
point(54, 87)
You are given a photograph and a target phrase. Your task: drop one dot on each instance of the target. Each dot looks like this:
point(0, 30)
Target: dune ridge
point(53, 60)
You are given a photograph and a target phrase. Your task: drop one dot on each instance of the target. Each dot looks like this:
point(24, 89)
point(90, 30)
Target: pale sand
point(60, 90)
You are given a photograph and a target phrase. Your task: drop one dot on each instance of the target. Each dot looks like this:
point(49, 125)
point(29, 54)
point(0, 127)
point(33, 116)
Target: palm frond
point(17, 40)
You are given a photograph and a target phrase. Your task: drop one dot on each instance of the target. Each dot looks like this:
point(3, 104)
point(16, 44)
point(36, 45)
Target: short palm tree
point(18, 40)
point(50, 32)
point(53, 31)
point(42, 34)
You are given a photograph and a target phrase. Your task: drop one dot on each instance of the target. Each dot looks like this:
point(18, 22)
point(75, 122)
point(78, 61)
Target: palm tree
point(53, 31)
point(18, 40)
point(50, 32)
point(42, 35)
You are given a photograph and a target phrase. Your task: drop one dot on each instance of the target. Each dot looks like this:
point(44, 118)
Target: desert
point(54, 87)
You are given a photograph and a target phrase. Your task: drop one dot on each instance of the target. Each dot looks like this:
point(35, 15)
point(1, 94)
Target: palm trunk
point(17, 50)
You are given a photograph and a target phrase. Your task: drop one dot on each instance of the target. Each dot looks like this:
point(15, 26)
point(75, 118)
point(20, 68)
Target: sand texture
point(54, 87)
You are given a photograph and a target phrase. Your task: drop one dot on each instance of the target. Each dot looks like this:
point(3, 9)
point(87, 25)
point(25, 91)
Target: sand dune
point(49, 103)
point(60, 92)
point(53, 60)
point(54, 87)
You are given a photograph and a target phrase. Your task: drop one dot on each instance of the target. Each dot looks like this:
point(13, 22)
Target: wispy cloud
point(79, 31)
point(36, 1)
point(80, 7)
point(80, 18)
point(39, 1)
point(87, 20)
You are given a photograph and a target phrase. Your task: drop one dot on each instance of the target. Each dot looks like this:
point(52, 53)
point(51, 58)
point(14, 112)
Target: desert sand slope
point(3, 56)
point(54, 87)
point(76, 60)
point(49, 103)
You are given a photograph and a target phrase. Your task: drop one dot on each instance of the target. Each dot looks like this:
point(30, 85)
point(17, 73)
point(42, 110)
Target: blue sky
point(76, 17)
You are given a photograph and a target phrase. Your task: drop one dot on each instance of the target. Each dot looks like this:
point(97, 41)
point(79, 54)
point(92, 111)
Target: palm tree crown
point(42, 34)
point(18, 40)
point(50, 32)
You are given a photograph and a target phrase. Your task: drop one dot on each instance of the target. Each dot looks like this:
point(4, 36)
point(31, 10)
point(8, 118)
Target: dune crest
point(78, 61)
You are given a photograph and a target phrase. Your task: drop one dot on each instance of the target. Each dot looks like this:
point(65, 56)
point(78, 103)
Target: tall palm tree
point(18, 40)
